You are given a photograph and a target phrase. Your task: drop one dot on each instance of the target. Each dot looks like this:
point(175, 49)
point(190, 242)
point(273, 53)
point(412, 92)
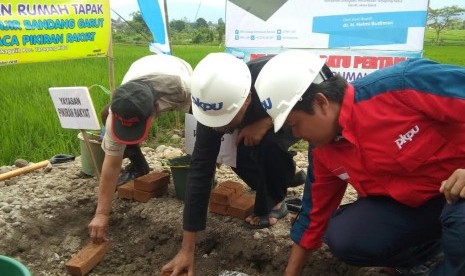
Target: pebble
point(50, 185)
point(21, 163)
point(48, 168)
point(7, 209)
point(10, 182)
point(5, 169)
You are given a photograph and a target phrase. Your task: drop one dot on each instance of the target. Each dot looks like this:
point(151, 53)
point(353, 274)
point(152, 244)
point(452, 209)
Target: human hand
point(297, 260)
point(98, 228)
point(253, 134)
point(454, 187)
point(183, 262)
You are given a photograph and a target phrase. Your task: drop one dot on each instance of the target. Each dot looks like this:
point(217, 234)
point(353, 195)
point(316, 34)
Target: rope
point(197, 12)
point(132, 27)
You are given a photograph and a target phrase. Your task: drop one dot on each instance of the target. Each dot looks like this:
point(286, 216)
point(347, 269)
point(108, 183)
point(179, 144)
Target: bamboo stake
point(22, 170)
point(111, 65)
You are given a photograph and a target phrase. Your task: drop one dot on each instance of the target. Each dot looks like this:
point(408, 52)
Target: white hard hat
point(284, 79)
point(219, 87)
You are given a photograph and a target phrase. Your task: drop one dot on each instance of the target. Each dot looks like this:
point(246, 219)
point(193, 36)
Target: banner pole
point(177, 120)
point(167, 26)
point(111, 71)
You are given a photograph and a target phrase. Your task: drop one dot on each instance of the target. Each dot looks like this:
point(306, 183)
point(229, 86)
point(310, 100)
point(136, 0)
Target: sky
point(212, 10)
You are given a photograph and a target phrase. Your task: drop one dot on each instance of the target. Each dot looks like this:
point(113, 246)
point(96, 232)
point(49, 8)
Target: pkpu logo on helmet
point(207, 106)
point(267, 105)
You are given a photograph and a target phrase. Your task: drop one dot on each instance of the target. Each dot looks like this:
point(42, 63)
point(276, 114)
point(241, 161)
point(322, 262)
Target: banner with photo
point(38, 31)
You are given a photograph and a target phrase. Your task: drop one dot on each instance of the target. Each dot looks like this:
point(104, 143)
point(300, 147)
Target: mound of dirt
point(44, 217)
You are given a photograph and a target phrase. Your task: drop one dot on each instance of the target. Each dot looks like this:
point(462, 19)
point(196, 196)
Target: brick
point(152, 181)
point(87, 258)
point(143, 196)
point(236, 186)
point(223, 195)
point(126, 190)
point(218, 208)
point(242, 206)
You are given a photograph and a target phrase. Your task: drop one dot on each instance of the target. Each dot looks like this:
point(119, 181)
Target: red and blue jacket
point(404, 133)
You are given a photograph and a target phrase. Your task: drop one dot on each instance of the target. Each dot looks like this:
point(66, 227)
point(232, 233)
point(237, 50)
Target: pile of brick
point(143, 188)
point(229, 198)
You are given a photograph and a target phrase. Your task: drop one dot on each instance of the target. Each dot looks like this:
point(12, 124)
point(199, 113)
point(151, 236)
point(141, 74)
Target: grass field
point(446, 37)
point(30, 127)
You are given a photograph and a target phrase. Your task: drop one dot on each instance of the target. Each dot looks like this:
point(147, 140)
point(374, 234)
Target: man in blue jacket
point(398, 137)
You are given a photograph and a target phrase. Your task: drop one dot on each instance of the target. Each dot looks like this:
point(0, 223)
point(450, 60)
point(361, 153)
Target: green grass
point(30, 127)
point(450, 49)
point(446, 37)
point(445, 54)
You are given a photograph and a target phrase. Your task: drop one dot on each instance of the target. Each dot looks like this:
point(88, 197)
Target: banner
point(153, 13)
point(228, 148)
point(392, 25)
point(37, 31)
point(350, 64)
point(356, 37)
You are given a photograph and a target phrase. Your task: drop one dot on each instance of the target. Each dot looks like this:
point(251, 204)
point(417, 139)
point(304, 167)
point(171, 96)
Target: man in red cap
point(153, 84)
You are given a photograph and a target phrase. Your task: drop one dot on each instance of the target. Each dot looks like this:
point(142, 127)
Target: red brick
point(151, 182)
point(126, 190)
point(218, 208)
point(143, 196)
point(87, 258)
point(236, 186)
point(242, 206)
point(223, 195)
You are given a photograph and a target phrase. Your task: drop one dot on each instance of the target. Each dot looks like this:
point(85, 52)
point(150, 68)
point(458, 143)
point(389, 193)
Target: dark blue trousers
point(267, 168)
point(378, 231)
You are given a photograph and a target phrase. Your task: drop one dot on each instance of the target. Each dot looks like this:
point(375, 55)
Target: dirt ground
point(44, 216)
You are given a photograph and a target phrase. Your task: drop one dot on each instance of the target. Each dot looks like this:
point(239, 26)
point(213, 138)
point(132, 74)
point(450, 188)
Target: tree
point(220, 29)
point(138, 21)
point(441, 18)
point(201, 23)
point(177, 25)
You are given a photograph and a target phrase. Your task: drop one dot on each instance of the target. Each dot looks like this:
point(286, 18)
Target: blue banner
point(153, 13)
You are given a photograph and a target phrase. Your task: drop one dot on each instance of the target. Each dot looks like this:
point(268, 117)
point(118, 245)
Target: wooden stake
point(22, 170)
